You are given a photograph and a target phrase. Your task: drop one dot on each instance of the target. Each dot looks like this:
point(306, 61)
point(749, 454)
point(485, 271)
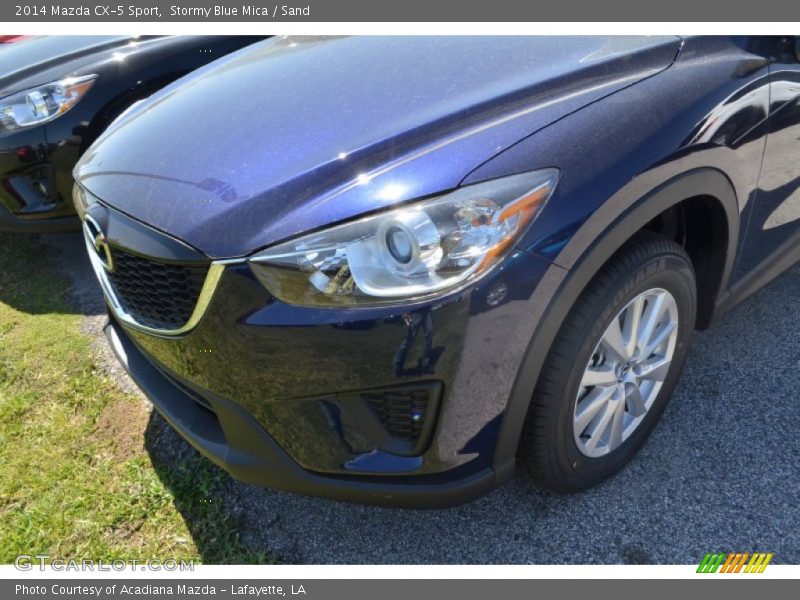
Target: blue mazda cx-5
point(384, 269)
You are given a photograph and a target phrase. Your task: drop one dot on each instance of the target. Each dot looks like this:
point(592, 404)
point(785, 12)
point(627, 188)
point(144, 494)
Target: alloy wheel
point(625, 372)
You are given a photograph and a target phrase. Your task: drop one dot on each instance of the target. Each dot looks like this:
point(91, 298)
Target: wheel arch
point(596, 241)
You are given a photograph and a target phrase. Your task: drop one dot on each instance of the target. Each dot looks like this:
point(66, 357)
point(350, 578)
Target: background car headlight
point(412, 251)
point(43, 103)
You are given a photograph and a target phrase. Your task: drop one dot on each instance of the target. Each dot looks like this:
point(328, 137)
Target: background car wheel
point(612, 367)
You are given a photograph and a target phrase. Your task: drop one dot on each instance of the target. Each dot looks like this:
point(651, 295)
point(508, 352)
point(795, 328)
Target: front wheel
point(612, 367)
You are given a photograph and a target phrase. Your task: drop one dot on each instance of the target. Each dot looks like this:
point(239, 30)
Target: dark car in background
point(389, 268)
point(58, 93)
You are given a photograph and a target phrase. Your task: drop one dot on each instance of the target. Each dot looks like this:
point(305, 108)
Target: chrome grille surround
point(213, 276)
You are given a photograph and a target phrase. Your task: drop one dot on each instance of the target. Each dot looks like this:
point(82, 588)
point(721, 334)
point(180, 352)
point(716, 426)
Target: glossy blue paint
point(297, 133)
point(772, 222)
point(708, 110)
point(47, 58)
point(36, 162)
point(661, 133)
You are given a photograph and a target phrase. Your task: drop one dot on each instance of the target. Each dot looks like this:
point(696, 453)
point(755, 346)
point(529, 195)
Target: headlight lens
point(411, 251)
point(42, 104)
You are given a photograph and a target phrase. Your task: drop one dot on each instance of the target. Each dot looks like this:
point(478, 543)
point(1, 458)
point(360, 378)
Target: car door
point(772, 242)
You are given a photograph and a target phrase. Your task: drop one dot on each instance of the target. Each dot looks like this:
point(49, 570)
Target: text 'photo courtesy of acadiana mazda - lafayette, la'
point(59, 93)
point(385, 269)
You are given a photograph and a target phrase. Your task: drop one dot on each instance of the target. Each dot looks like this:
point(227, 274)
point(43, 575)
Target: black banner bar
point(420, 589)
point(396, 11)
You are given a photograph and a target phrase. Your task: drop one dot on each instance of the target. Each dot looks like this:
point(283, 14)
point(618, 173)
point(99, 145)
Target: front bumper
point(306, 399)
point(232, 439)
point(36, 178)
point(14, 224)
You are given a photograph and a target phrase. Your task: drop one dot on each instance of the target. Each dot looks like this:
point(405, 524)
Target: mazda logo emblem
point(96, 240)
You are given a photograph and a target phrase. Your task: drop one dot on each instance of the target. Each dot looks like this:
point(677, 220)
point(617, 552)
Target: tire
point(555, 449)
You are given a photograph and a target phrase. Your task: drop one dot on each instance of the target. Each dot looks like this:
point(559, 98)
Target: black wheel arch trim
point(591, 246)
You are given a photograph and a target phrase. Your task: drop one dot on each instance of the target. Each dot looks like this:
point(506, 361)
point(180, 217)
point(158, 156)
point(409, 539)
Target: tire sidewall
point(668, 271)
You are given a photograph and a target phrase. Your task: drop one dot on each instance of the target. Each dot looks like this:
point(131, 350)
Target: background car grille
point(158, 295)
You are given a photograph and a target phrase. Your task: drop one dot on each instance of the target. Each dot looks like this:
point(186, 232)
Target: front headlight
point(43, 103)
point(412, 251)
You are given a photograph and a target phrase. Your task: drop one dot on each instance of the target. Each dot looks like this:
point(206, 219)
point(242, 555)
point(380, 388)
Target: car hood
point(294, 134)
point(37, 60)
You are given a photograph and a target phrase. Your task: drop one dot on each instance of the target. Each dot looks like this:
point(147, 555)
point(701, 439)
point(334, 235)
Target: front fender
point(697, 129)
point(708, 111)
point(590, 248)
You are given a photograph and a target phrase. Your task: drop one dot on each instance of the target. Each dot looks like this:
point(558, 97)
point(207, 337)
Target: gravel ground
point(720, 473)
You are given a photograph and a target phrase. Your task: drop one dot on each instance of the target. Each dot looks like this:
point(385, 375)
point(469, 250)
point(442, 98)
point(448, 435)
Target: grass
point(68, 487)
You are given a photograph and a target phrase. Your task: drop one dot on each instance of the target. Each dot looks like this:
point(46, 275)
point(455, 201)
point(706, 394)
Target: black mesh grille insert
point(401, 412)
point(156, 294)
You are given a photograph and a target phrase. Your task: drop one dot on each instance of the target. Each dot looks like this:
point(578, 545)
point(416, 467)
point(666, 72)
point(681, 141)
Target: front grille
point(401, 412)
point(158, 295)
